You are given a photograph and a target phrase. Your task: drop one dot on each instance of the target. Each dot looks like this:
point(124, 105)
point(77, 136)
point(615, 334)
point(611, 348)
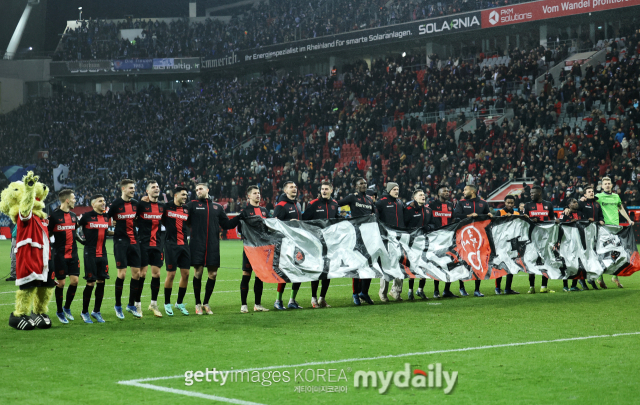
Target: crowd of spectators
point(250, 27)
point(231, 133)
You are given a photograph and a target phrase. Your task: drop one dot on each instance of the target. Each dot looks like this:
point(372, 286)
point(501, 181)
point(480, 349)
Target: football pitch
point(578, 347)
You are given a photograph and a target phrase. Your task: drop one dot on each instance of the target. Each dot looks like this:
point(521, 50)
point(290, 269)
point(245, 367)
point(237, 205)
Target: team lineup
point(181, 235)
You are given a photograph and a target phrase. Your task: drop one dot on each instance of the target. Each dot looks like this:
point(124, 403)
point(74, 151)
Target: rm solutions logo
point(434, 377)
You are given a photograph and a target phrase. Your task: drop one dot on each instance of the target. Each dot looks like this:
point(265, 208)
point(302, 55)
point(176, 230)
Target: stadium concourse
point(253, 26)
point(309, 128)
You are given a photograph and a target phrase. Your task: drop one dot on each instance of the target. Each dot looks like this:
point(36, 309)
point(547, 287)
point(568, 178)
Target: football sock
point(280, 291)
point(86, 298)
point(167, 295)
point(244, 289)
point(71, 293)
point(140, 288)
point(119, 287)
point(356, 285)
point(99, 296)
point(133, 291)
point(155, 288)
point(257, 290)
point(325, 287)
point(59, 296)
point(197, 286)
point(208, 290)
point(181, 293)
point(314, 288)
point(366, 283)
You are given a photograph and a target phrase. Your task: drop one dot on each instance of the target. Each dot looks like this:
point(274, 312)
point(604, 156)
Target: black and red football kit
point(176, 221)
point(96, 263)
point(150, 233)
point(62, 226)
point(126, 248)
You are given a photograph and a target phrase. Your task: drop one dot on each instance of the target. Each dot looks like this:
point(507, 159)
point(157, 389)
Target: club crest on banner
point(298, 256)
point(473, 247)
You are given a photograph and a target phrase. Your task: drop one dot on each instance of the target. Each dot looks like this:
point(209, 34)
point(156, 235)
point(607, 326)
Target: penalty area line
point(133, 383)
point(143, 382)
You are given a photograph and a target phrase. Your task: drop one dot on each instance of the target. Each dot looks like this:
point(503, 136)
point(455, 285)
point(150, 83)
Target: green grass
point(80, 363)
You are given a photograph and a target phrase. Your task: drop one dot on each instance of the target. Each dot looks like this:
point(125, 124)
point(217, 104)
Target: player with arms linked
point(126, 249)
point(62, 226)
point(323, 207)
point(95, 228)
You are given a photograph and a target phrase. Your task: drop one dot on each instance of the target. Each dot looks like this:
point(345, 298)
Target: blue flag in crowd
point(16, 173)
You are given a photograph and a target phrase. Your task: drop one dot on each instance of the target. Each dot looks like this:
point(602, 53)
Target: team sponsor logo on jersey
point(441, 214)
point(151, 216)
point(126, 216)
point(98, 225)
point(60, 228)
point(538, 213)
point(366, 206)
point(173, 214)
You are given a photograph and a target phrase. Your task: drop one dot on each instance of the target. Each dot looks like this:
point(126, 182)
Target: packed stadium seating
point(406, 120)
point(251, 27)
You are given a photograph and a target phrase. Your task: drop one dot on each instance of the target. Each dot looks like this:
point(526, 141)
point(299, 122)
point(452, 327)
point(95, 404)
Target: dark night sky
point(48, 19)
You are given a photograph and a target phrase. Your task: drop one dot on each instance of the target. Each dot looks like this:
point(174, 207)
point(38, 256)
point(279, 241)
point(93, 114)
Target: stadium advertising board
point(177, 64)
point(542, 10)
point(133, 64)
point(378, 36)
point(80, 67)
point(119, 67)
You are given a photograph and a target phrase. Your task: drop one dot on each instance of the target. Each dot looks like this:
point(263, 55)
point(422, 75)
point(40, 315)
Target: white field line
point(143, 382)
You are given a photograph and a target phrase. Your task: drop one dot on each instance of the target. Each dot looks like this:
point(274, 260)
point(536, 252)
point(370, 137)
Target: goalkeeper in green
point(611, 207)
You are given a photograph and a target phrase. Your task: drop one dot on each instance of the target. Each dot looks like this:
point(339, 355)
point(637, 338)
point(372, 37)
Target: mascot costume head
point(23, 202)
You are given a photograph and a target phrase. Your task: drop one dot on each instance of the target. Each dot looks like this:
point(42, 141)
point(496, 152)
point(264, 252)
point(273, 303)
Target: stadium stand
point(252, 27)
point(403, 120)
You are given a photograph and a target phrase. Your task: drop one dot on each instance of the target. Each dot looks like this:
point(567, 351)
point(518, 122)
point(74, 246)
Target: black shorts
point(95, 268)
point(126, 254)
point(246, 264)
point(178, 257)
point(64, 267)
point(151, 256)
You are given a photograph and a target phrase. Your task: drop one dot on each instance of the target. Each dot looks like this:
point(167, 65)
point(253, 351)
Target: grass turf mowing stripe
point(137, 382)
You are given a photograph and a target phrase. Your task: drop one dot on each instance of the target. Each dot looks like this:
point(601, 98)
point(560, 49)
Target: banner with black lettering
point(474, 249)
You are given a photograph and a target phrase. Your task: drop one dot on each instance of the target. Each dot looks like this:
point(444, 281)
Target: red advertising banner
point(542, 10)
